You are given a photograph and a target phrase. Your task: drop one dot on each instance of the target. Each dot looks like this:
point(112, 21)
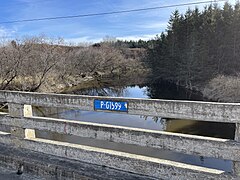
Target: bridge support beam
point(20, 110)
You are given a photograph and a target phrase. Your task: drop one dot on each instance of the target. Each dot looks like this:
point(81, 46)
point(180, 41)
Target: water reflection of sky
point(130, 91)
point(114, 119)
point(135, 92)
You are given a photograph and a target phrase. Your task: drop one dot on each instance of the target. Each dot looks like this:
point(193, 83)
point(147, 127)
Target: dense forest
point(200, 50)
point(197, 46)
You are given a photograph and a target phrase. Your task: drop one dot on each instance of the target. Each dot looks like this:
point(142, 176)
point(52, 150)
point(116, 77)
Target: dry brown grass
point(223, 88)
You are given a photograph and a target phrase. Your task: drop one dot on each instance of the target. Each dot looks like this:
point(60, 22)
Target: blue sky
point(144, 25)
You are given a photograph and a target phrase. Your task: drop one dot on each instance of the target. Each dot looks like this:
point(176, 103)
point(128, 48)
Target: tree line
point(197, 46)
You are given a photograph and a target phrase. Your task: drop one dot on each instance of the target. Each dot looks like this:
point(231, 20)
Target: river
point(154, 91)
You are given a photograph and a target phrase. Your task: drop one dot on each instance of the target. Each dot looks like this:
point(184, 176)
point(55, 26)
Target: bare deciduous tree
point(32, 63)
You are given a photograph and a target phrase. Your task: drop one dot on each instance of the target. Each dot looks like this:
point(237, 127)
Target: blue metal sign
point(110, 105)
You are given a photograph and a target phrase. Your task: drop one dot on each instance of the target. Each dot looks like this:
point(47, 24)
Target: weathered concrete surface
point(137, 164)
point(151, 167)
point(42, 166)
point(20, 110)
point(10, 174)
point(205, 111)
point(188, 144)
point(237, 132)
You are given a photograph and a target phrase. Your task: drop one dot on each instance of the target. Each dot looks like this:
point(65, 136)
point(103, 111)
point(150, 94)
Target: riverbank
point(219, 89)
point(88, 83)
point(223, 89)
point(41, 64)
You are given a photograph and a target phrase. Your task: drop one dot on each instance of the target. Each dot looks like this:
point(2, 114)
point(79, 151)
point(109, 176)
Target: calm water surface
point(157, 91)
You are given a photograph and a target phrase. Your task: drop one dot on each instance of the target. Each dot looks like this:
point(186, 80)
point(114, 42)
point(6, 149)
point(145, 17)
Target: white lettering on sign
point(107, 105)
point(111, 105)
point(102, 103)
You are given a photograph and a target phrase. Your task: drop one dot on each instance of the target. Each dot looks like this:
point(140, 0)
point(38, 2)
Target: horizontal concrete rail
point(206, 111)
point(23, 125)
point(188, 144)
point(153, 167)
point(54, 167)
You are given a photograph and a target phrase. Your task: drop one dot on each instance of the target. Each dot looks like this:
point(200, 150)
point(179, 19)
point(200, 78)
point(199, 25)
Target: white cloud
point(89, 40)
point(127, 26)
point(153, 25)
point(84, 39)
point(3, 32)
point(7, 33)
point(137, 37)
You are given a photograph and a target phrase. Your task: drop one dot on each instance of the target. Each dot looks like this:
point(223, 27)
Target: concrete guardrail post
point(20, 110)
point(236, 165)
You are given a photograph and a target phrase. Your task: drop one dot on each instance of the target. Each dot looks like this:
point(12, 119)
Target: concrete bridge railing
point(23, 125)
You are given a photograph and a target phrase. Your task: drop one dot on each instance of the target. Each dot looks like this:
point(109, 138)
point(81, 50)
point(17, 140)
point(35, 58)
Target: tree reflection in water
point(102, 91)
point(166, 90)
